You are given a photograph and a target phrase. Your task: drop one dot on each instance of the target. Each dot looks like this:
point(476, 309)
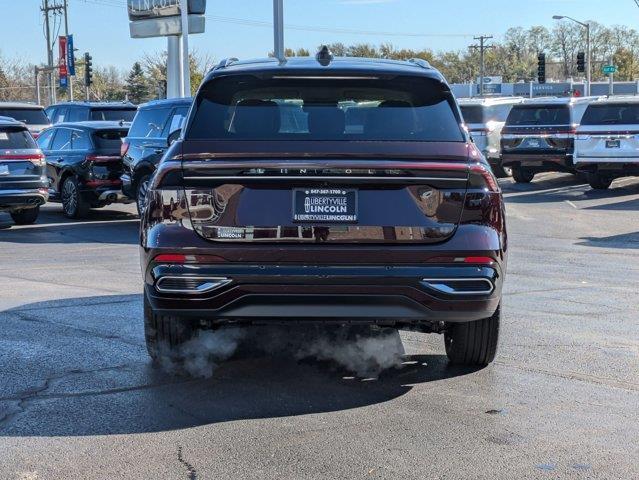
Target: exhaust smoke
point(362, 351)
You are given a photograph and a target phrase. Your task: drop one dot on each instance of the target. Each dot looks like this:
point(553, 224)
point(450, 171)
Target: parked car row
point(596, 136)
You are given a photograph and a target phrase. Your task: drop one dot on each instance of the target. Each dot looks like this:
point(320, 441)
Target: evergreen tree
point(136, 85)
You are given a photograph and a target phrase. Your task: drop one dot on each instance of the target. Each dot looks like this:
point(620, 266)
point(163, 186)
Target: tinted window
point(62, 139)
point(45, 139)
point(150, 122)
point(539, 115)
point(612, 114)
point(77, 114)
point(113, 114)
point(177, 121)
point(15, 138)
point(400, 109)
point(473, 114)
point(80, 140)
point(30, 116)
point(109, 139)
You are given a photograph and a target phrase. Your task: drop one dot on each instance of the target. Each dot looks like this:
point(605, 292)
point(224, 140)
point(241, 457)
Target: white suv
point(607, 141)
point(485, 118)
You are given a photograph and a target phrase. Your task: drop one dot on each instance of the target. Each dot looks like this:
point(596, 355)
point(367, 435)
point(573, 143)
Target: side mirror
point(173, 136)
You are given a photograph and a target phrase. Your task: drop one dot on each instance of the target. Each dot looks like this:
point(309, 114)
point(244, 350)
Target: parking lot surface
point(79, 397)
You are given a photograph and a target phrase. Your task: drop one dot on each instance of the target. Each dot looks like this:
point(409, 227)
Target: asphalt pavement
point(80, 399)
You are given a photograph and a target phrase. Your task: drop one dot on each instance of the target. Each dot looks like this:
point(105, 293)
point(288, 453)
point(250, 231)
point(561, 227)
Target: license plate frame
point(613, 143)
point(325, 205)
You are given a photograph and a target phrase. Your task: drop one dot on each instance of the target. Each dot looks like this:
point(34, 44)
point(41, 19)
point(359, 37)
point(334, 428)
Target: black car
point(91, 111)
point(147, 142)
point(325, 191)
point(84, 165)
point(23, 182)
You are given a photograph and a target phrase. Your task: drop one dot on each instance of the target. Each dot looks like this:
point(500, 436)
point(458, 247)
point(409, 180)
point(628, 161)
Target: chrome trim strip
point(208, 284)
point(324, 178)
point(442, 287)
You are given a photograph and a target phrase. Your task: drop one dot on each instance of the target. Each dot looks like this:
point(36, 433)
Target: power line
point(297, 27)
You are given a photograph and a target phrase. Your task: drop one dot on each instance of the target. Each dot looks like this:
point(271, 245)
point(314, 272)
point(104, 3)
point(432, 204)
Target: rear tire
point(599, 182)
point(26, 217)
point(165, 335)
point(73, 205)
point(473, 343)
point(502, 172)
point(140, 193)
point(522, 175)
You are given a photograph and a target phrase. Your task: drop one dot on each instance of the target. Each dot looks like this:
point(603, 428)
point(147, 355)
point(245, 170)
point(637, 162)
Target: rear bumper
point(352, 293)
point(541, 162)
point(626, 166)
point(17, 199)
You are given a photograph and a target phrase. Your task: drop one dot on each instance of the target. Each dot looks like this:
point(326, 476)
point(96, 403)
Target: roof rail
point(420, 62)
point(225, 63)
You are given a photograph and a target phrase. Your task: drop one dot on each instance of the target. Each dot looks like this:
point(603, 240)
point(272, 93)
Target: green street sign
point(608, 69)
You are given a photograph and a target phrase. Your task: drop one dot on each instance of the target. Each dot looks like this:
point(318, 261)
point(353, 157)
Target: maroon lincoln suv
point(324, 190)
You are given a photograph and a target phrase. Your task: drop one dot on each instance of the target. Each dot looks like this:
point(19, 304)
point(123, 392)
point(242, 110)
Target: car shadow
point(622, 241)
point(107, 226)
point(92, 377)
point(561, 188)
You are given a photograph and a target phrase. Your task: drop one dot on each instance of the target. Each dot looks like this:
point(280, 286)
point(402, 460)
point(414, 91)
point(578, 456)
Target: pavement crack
point(191, 473)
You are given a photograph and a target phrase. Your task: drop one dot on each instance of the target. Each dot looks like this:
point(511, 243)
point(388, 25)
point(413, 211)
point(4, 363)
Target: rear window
point(539, 115)
point(16, 138)
point(113, 114)
point(612, 114)
point(149, 122)
point(109, 139)
point(473, 114)
point(30, 116)
point(311, 108)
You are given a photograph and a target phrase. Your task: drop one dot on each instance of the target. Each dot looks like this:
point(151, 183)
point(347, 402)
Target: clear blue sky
point(101, 26)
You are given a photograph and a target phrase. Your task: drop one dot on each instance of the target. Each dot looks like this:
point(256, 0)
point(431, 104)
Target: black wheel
point(73, 205)
point(26, 217)
point(522, 175)
point(165, 335)
point(502, 172)
point(140, 194)
point(599, 181)
point(473, 343)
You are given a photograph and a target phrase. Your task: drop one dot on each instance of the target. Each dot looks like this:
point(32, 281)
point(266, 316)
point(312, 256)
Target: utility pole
point(46, 9)
point(482, 48)
point(278, 29)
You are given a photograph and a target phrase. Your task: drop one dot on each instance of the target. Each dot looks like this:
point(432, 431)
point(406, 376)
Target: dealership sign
point(162, 18)
point(145, 9)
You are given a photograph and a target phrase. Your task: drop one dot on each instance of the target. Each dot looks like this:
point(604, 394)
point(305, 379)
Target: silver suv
point(607, 141)
point(485, 118)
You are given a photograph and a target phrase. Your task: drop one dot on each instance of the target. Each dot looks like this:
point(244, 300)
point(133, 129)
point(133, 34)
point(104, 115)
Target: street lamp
point(588, 59)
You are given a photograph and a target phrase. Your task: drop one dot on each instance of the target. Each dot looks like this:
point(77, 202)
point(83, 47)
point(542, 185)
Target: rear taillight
point(180, 258)
point(489, 180)
point(124, 148)
point(102, 158)
point(36, 158)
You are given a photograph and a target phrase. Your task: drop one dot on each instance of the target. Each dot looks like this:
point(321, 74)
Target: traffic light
point(541, 68)
point(581, 62)
point(88, 70)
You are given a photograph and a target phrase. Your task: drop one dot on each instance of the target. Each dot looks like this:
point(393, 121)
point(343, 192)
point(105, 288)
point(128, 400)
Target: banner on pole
point(62, 62)
point(70, 56)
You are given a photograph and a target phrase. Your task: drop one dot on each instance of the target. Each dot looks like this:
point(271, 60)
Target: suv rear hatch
point(538, 129)
point(320, 159)
point(609, 132)
point(21, 162)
